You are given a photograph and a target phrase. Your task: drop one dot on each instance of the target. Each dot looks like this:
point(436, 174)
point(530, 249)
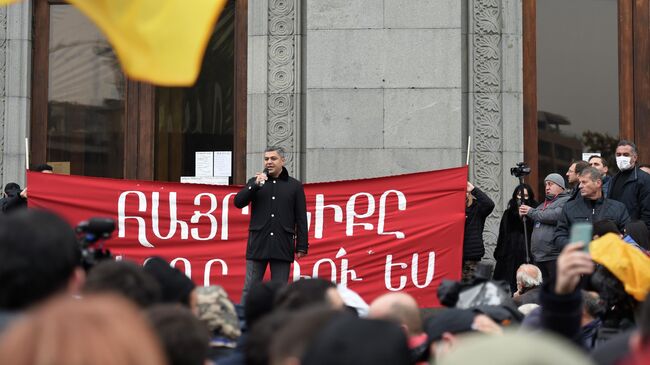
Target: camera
point(520, 170)
point(90, 233)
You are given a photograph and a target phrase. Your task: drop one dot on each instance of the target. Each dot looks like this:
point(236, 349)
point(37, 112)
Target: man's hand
point(523, 210)
point(259, 177)
point(300, 255)
point(572, 263)
point(23, 194)
point(470, 187)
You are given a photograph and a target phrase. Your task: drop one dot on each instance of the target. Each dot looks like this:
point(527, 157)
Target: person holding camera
point(545, 217)
point(477, 208)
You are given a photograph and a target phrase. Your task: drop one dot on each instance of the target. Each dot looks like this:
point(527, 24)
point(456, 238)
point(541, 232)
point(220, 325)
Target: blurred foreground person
point(39, 258)
point(183, 336)
point(218, 313)
point(96, 330)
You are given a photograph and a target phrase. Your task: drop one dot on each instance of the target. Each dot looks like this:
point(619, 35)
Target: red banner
point(373, 235)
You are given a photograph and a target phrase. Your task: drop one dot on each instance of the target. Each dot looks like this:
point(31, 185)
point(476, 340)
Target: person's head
point(258, 343)
point(39, 258)
point(591, 183)
point(639, 233)
point(574, 171)
point(274, 160)
point(603, 227)
point(553, 185)
point(100, 330)
point(175, 286)
point(400, 308)
point(124, 278)
point(290, 342)
point(44, 168)
point(307, 292)
point(217, 312)
point(444, 328)
point(592, 308)
point(528, 277)
point(12, 189)
point(350, 340)
point(626, 155)
point(185, 339)
point(260, 300)
point(599, 163)
point(645, 168)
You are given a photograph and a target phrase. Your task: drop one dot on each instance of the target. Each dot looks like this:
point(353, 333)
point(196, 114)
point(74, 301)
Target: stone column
point(15, 82)
point(274, 82)
point(495, 102)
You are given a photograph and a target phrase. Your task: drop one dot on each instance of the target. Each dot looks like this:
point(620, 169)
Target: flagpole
point(26, 153)
point(469, 144)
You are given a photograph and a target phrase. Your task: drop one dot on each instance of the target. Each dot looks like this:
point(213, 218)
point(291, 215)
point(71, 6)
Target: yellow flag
point(6, 2)
point(159, 41)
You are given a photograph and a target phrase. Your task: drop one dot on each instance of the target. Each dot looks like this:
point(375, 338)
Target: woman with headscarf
point(511, 249)
point(477, 207)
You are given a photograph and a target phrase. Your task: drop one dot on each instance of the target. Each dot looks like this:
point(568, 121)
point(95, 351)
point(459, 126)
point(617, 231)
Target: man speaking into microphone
point(277, 233)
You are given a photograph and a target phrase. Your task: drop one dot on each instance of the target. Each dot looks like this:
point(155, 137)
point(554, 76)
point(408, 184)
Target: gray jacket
point(544, 221)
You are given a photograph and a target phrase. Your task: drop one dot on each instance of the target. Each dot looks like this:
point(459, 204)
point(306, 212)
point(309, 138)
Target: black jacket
point(635, 196)
point(278, 225)
point(510, 251)
point(579, 210)
point(475, 215)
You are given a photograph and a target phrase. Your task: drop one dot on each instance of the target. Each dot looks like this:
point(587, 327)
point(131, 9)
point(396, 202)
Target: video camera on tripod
point(90, 235)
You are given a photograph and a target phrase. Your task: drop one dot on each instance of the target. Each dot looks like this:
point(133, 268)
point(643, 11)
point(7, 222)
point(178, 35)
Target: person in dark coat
point(477, 208)
point(13, 199)
point(511, 249)
point(278, 225)
point(631, 186)
point(590, 206)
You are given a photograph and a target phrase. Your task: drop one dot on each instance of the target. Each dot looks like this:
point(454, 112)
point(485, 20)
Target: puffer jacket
point(579, 210)
point(544, 222)
point(475, 215)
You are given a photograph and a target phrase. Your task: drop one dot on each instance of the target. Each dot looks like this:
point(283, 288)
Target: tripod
point(521, 188)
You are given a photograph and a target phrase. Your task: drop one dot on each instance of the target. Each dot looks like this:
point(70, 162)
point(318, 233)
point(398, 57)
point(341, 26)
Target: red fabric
point(366, 234)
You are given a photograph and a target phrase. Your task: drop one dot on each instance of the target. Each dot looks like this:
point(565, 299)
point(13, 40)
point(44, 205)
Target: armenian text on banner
point(398, 233)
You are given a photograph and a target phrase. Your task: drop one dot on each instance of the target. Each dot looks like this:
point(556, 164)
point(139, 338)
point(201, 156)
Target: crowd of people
point(548, 300)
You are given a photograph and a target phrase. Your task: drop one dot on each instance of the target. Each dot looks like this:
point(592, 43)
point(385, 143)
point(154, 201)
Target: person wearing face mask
point(631, 186)
point(545, 217)
point(511, 250)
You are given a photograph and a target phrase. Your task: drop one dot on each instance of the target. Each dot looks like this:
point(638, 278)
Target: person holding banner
point(277, 233)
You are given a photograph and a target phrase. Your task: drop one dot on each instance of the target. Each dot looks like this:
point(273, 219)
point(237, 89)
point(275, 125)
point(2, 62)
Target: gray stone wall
point(365, 88)
point(15, 81)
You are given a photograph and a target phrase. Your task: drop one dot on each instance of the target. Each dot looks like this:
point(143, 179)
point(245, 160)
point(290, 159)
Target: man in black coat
point(589, 206)
point(278, 225)
point(631, 186)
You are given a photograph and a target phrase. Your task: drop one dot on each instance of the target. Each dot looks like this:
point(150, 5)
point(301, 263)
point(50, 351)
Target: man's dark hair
point(12, 187)
point(581, 166)
point(303, 293)
point(293, 339)
point(125, 278)
point(184, 337)
point(260, 300)
point(38, 255)
point(602, 227)
point(591, 172)
point(258, 343)
point(592, 304)
point(602, 160)
point(42, 167)
point(625, 142)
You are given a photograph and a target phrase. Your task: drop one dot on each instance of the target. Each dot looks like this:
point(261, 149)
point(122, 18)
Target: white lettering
point(351, 214)
point(320, 208)
point(388, 276)
point(430, 270)
point(197, 215)
point(186, 264)
point(122, 217)
point(173, 222)
point(401, 205)
point(208, 267)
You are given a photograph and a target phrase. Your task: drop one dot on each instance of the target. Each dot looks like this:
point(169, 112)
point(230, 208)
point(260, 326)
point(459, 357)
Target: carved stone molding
point(282, 93)
point(486, 75)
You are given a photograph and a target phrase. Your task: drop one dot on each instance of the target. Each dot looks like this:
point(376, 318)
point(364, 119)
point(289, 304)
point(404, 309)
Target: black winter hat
point(176, 286)
point(450, 320)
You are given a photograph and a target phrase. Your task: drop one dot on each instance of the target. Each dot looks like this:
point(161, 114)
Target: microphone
point(265, 172)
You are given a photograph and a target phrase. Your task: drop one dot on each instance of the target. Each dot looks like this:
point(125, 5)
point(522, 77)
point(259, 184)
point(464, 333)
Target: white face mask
point(623, 162)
